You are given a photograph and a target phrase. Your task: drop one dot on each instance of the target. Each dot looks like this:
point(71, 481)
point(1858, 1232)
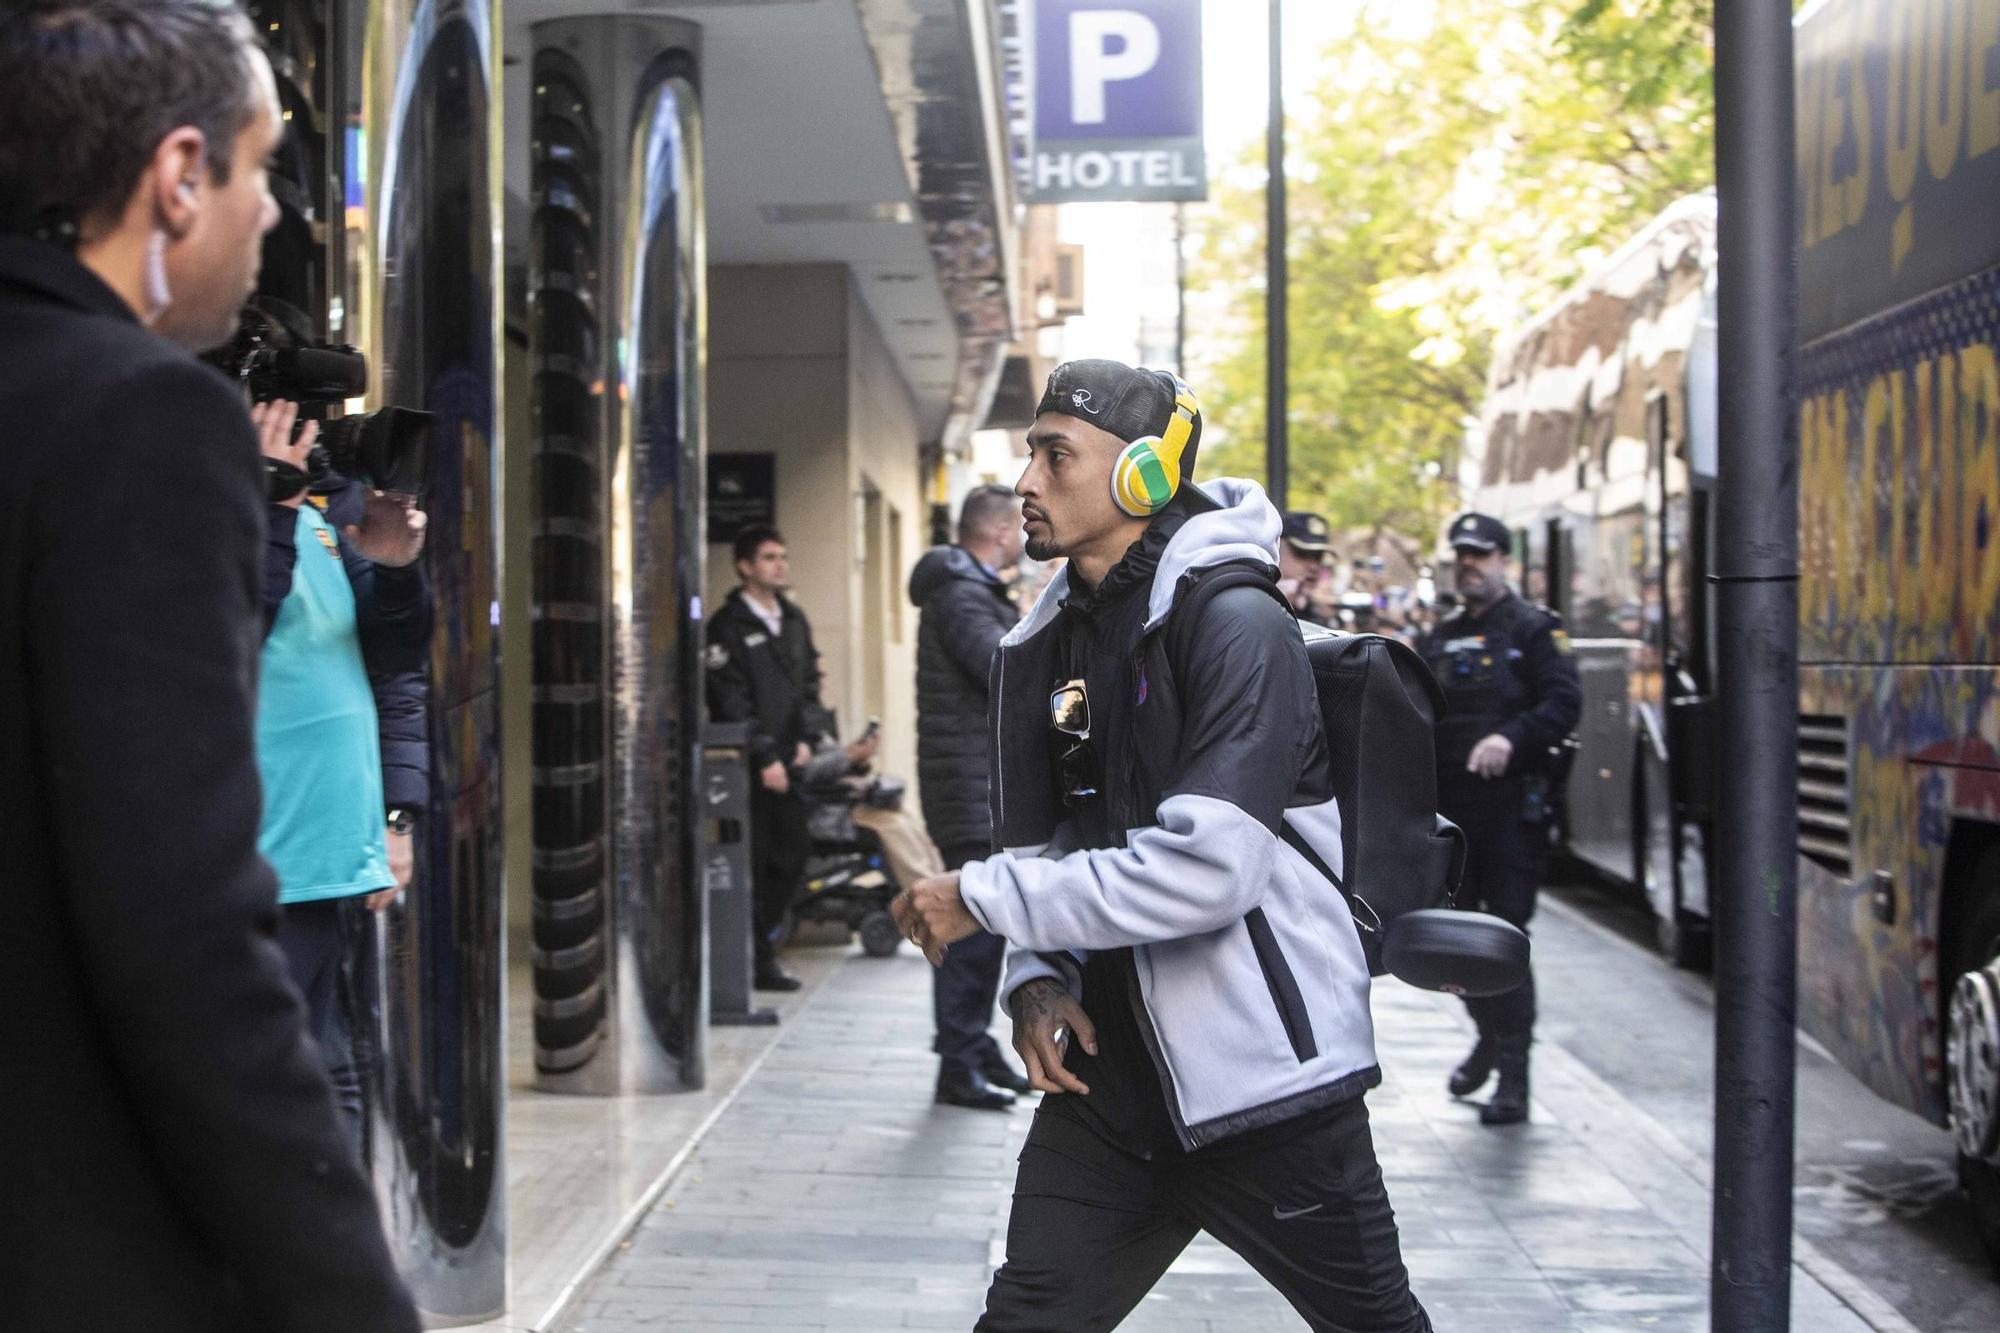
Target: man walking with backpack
point(1185, 984)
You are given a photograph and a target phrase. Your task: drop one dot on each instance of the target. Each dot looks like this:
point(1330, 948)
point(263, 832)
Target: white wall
point(883, 426)
point(797, 368)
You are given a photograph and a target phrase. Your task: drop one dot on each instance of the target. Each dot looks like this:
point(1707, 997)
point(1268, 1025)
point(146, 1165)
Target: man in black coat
point(167, 1136)
point(763, 669)
point(965, 611)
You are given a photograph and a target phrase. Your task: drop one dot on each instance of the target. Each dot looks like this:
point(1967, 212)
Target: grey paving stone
point(834, 1195)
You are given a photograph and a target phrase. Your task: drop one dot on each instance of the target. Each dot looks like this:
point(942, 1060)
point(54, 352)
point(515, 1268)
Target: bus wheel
point(1972, 1063)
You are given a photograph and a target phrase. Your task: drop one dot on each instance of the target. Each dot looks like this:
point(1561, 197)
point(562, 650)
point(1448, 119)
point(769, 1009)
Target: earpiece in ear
point(1142, 482)
point(186, 191)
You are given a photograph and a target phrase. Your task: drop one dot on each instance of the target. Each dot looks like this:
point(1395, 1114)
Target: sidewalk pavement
point(832, 1193)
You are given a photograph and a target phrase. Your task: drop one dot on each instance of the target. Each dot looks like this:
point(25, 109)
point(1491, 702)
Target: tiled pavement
point(833, 1194)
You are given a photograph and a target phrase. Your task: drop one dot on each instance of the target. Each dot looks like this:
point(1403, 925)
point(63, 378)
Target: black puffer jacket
point(966, 611)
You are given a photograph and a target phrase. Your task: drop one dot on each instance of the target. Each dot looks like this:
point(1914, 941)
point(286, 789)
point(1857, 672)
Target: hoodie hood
point(1242, 525)
point(939, 566)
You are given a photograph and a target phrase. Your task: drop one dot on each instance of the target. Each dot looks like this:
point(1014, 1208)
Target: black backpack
point(1378, 704)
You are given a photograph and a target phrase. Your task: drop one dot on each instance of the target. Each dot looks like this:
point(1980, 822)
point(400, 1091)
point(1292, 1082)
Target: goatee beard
point(1042, 549)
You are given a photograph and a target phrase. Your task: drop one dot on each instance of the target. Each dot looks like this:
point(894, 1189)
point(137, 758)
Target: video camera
point(275, 355)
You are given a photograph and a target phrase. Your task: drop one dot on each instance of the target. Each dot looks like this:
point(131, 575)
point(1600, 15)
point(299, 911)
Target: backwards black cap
point(1129, 402)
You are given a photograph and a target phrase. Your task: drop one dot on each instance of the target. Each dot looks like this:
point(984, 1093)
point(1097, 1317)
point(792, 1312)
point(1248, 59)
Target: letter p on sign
point(1106, 46)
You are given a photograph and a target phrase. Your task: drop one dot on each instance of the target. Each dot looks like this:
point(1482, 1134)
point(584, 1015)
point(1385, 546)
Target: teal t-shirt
point(318, 747)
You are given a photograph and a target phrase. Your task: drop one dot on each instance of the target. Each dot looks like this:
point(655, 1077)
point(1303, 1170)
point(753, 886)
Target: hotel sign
point(1117, 101)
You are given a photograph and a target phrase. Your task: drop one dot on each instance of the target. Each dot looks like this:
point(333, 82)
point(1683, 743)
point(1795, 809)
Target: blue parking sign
point(1117, 101)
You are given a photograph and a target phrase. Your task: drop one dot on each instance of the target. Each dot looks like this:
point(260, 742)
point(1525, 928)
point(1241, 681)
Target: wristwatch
point(402, 821)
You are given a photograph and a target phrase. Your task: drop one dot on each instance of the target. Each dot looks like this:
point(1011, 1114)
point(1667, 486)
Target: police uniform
point(1310, 538)
point(770, 681)
point(1506, 671)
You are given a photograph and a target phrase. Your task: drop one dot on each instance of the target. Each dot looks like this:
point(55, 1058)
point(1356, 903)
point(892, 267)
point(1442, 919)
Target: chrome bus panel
point(1598, 814)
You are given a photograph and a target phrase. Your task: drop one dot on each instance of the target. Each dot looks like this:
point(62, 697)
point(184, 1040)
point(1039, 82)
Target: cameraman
point(346, 627)
point(172, 1157)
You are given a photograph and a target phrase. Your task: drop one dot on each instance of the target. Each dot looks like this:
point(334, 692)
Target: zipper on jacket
point(999, 826)
point(1284, 987)
point(1145, 1021)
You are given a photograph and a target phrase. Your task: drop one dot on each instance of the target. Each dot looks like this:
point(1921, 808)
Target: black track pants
point(1093, 1227)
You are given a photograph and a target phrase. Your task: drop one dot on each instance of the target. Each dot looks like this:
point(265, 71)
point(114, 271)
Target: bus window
point(1679, 637)
point(1533, 545)
point(1609, 588)
point(1583, 443)
point(1557, 563)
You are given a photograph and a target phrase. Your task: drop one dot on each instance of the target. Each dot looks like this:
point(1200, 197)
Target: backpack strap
point(1199, 589)
point(1201, 586)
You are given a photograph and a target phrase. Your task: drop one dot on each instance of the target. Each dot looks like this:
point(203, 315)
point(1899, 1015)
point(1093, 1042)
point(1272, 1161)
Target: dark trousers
point(1504, 862)
point(963, 990)
point(317, 939)
point(1093, 1227)
point(779, 846)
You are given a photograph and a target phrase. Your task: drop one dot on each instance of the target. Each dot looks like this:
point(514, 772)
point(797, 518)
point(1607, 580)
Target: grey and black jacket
point(1253, 990)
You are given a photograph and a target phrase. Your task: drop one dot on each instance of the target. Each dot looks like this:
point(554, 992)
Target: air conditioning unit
point(1069, 281)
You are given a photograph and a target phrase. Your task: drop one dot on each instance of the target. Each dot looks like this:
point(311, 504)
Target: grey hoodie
point(1233, 932)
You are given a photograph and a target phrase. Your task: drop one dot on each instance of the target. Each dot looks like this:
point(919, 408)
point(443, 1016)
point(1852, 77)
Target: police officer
point(1512, 697)
point(763, 669)
point(1304, 554)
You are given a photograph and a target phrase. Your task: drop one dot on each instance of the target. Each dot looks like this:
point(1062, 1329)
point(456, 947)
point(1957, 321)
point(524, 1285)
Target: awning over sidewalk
point(869, 133)
point(940, 68)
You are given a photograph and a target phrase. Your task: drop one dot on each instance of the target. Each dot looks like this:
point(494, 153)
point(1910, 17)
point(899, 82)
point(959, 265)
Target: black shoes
point(772, 977)
point(971, 1090)
point(1002, 1075)
point(1510, 1100)
point(1471, 1076)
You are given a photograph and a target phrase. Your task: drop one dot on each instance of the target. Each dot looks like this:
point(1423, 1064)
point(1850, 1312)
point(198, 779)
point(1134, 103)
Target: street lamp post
point(1757, 605)
point(1276, 320)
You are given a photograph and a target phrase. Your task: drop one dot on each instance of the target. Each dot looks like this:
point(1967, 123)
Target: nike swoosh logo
point(1287, 1214)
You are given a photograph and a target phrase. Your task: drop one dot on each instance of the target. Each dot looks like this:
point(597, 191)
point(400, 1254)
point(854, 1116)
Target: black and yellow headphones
point(1147, 475)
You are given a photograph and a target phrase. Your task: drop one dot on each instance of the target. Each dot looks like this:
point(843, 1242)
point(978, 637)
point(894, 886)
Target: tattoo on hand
point(1037, 999)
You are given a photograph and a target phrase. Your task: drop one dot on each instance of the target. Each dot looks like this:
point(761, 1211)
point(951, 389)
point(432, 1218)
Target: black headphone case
point(1460, 953)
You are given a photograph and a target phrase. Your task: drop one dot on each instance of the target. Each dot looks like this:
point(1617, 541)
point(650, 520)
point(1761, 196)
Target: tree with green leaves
point(1448, 173)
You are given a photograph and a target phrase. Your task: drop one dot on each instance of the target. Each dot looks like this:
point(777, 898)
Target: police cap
point(1478, 532)
point(1308, 532)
